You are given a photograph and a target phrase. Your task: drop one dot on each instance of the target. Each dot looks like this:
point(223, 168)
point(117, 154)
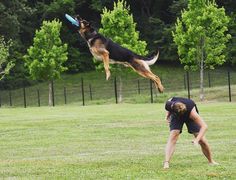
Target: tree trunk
point(202, 70)
point(50, 100)
point(120, 90)
point(202, 81)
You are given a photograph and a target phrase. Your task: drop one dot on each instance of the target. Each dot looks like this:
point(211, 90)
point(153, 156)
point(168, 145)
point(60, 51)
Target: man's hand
point(168, 117)
point(195, 142)
point(168, 120)
point(199, 121)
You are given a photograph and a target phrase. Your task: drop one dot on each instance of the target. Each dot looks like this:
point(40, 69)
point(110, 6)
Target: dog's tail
point(152, 60)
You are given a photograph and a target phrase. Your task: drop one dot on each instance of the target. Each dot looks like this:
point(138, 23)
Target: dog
point(107, 51)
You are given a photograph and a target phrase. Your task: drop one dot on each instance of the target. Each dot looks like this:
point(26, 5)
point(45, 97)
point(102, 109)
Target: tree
point(46, 57)
point(119, 25)
point(13, 16)
point(17, 23)
point(201, 37)
point(56, 8)
point(98, 5)
point(231, 46)
point(5, 65)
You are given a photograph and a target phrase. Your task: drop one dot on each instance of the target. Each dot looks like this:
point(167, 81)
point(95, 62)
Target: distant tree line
point(155, 21)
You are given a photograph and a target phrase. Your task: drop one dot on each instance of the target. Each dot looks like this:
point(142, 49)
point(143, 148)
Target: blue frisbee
point(72, 20)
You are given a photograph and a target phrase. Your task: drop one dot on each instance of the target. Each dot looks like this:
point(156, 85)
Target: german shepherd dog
point(107, 51)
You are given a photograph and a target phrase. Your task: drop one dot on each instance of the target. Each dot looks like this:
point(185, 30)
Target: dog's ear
point(92, 23)
point(88, 24)
point(78, 17)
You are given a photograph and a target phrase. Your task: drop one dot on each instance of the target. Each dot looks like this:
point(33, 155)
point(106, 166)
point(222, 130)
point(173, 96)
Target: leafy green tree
point(13, 16)
point(177, 6)
point(161, 37)
point(5, 65)
point(98, 5)
point(18, 25)
point(201, 37)
point(56, 8)
point(46, 57)
point(231, 46)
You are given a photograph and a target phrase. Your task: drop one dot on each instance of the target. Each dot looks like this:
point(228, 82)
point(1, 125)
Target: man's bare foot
point(213, 163)
point(166, 165)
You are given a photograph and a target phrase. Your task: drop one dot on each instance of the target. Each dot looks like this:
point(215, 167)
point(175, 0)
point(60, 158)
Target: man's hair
point(179, 108)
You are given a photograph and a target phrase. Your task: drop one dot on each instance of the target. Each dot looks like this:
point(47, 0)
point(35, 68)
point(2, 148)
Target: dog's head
point(84, 26)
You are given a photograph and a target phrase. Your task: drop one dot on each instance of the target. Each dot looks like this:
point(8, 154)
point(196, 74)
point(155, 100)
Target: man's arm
point(199, 121)
point(168, 116)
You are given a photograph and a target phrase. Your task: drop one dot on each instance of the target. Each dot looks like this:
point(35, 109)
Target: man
point(180, 111)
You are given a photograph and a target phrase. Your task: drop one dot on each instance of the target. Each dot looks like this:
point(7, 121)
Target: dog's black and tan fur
point(108, 51)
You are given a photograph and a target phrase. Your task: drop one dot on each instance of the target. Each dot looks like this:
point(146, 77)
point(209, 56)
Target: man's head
point(179, 108)
point(176, 107)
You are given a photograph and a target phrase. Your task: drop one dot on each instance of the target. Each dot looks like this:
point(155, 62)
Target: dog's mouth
point(78, 19)
point(81, 21)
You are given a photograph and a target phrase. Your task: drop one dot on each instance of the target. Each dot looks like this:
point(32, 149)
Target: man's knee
point(174, 135)
point(203, 142)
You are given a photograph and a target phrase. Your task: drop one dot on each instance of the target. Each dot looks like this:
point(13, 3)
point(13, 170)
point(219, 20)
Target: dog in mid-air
point(107, 51)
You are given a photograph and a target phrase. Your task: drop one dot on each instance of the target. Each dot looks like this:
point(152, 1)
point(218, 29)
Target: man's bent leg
point(170, 146)
point(206, 150)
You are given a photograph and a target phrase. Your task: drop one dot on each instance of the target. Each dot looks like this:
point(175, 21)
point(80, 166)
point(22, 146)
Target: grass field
point(124, 141)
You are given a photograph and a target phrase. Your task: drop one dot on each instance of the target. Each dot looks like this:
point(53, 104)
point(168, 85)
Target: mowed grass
point(124, 141)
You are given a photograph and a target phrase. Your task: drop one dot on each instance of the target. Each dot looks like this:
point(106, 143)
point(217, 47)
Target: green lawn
point(124, 141)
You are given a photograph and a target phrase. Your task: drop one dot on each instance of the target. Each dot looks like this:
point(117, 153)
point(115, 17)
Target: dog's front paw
point(160, 88)
point(108, 75)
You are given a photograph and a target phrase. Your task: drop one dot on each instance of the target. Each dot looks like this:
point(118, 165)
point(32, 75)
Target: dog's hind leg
point(143, 69)
point(105, 58)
